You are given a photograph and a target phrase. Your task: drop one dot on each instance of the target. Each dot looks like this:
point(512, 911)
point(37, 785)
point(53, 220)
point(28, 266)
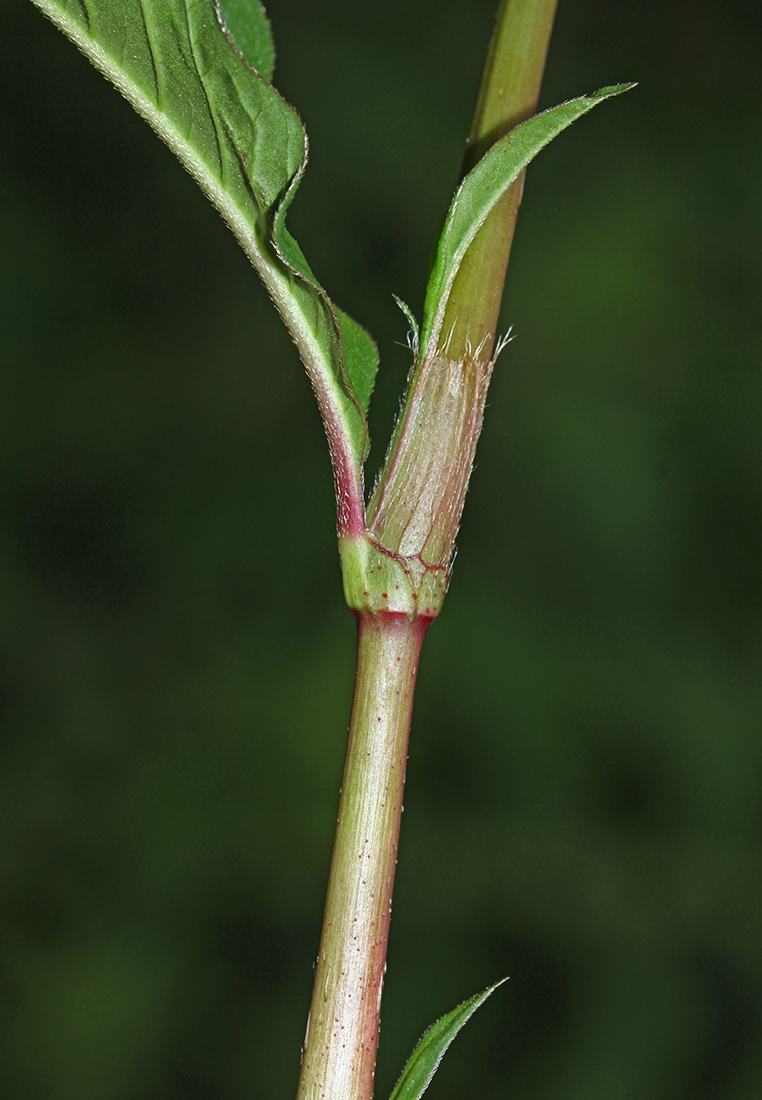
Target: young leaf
point(482, 188)
point(199, 71)
point(424, 1061)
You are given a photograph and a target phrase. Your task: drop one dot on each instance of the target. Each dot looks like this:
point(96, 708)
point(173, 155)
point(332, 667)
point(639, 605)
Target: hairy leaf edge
point(452, 1022)
point(438, 289)
point(347, 462)
point(279, 220)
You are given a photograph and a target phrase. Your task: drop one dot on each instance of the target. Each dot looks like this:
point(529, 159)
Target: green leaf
point(424, 1061)
point(199, 71)
point(482, 189)
point(248, 28)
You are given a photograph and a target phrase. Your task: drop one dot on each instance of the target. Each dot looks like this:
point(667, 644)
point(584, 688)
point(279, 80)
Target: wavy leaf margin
point(199, 72)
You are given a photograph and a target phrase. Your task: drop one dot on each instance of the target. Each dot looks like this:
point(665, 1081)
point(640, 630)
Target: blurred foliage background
point(584, 802)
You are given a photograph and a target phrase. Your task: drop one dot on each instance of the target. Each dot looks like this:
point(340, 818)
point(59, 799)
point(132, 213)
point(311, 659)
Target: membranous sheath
point(402, 563)
point(417, 505)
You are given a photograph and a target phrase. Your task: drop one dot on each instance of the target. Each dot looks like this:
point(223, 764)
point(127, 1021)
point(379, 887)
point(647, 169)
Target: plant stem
point(508, 95)
point(414, 498)
point(339, 1057)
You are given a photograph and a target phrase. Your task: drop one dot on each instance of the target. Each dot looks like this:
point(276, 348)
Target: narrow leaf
point(424, 1061)
point(483, 187)
point(199, 71)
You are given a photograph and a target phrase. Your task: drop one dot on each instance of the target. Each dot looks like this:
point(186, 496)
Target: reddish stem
point(339, 1057)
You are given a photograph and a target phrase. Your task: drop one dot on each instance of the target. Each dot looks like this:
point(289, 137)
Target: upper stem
point(339, 1057)
point(508, 95)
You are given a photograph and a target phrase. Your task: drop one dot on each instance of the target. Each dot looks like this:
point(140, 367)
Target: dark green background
point(584, 802)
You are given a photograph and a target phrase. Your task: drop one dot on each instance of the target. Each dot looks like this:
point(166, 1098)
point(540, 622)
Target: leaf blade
point(424, 1061)
point(197, 71)
point(482, 189)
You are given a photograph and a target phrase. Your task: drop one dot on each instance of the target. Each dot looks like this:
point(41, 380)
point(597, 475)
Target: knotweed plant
point(200, 72)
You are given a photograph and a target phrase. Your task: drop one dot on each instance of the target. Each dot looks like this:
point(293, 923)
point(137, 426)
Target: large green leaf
point(199, 72)
point(483, 187)
point(424, 1061)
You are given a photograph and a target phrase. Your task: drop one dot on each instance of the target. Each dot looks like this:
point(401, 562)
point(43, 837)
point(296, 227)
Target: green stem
point(389, 583)
point(339, 1057)
point(508, 95)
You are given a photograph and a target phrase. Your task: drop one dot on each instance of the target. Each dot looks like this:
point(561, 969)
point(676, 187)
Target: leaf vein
point(158, 82)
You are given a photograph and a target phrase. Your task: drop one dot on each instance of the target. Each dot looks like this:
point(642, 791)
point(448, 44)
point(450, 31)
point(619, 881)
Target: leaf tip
point(614, 89)
point(424, 1061)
